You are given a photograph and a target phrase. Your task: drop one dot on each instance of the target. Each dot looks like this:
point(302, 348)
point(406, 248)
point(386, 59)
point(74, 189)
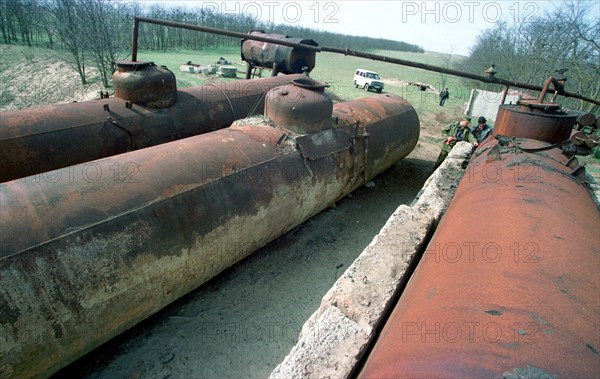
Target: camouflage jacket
point(461, 134)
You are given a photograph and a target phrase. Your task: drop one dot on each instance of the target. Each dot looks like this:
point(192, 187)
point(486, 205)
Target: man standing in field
point(444, 95)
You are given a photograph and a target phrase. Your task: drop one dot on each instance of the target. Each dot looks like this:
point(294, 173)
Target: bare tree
point(531, 51)
point(68, 27)
point(106, 35)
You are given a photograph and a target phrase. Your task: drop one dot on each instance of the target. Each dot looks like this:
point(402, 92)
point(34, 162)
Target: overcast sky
point(442, 26)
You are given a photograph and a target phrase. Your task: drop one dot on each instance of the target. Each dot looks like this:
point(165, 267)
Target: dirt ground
point(32, 80)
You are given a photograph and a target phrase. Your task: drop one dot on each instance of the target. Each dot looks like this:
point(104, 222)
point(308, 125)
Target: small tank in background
point(278, 58)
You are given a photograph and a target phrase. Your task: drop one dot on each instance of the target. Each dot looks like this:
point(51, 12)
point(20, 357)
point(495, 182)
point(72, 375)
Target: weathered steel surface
point(508, 286)
point(375, 121)
point(52, 137)
point(301, 106)
point(584, 118)
point(92, 254)
point(289, 60)
point(145, 84)
point(534, 122)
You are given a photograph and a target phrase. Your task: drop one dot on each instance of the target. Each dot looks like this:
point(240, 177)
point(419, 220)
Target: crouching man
point(454, 132)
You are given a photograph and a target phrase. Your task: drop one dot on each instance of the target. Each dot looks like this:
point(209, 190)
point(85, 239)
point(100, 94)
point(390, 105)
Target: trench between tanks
point(243, 322)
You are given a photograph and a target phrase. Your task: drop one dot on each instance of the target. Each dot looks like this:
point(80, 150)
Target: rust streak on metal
point(302, 106)
point(534, 120)
point(279, 58)
point(145, 84)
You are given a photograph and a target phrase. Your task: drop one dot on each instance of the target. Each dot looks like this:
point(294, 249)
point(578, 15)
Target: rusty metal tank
point(534, 120)
point(145, 84)
point(301, 106)
point(508, 286)
point(92, 254)
point(43, 139)
point(279, 58)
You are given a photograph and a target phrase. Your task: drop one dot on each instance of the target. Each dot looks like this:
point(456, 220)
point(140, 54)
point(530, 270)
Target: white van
point(368, 80)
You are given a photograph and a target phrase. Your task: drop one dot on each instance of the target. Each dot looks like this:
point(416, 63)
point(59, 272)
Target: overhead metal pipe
point(134, 39)
point(375, 57)
point(91, 255)
point(223, 32)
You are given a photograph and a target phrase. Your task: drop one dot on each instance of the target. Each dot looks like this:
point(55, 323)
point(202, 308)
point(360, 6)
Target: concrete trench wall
point(335, 337)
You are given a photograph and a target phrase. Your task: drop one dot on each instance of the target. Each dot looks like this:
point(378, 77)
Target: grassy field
point(174, 59)
point(335, 69)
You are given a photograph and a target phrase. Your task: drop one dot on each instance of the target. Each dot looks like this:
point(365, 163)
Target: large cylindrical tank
point(289, 60)
point(94, 253)
point(52, 137)
point(508, 286)
point(535, 120)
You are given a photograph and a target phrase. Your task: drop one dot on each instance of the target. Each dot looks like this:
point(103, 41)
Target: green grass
point(338, 70)
point(13, 55)
point(335, 69)
point(174, 59)
point(6, 97)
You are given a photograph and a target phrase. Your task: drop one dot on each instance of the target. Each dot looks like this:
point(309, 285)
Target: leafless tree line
point(567, 38)
point(82, 32)
point(98, 32)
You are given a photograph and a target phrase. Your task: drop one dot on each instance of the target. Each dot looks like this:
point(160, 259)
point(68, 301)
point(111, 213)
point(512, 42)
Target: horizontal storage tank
point(88, 259)
point(279, 58)
point(48, 138)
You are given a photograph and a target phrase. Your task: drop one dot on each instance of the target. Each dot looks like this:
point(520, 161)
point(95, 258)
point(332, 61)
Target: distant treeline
point(162, 38)
point(33, 22)
point(342, 41)
point(98, 32)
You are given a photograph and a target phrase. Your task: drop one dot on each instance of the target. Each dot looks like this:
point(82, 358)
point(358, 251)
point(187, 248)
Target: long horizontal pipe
point(375, 57)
